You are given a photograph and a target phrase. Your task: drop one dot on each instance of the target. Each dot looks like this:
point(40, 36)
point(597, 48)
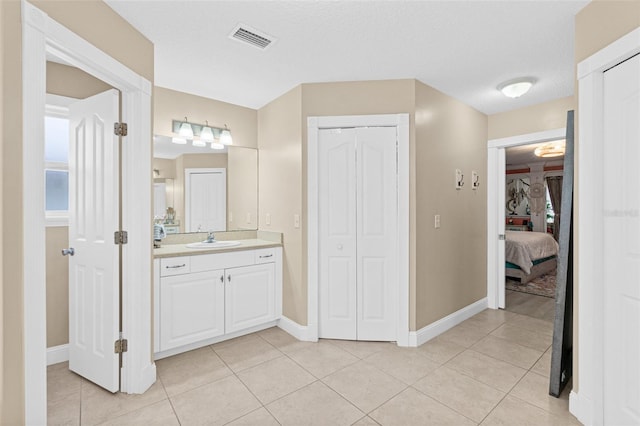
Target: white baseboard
point(580, 407)
point(57, 354)
point(300, 332)
point(417, 338)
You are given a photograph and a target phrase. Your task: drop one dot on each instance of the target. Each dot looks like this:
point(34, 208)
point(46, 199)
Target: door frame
point(314, 124)
point(496, 179)
point(587, 404)
point(43, 37)
point(187, 195)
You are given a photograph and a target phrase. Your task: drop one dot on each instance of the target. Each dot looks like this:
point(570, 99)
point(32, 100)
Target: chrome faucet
point(210, 237)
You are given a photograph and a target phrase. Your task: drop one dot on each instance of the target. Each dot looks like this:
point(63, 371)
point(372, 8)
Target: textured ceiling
point(462, 48)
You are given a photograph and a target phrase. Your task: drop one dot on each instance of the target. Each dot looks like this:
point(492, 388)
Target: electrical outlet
point(267, 219)
point(296, 220)
point(436, 221)
point(249, 217)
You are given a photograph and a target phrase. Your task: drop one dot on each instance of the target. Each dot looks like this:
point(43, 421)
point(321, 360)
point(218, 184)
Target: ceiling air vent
point(252, 37)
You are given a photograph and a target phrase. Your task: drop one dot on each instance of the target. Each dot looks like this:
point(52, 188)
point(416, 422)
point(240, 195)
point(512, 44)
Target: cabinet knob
point(221, 278)
point(229, 278)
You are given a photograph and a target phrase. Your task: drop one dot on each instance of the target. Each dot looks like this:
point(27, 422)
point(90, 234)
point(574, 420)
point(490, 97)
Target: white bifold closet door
point(358, 206)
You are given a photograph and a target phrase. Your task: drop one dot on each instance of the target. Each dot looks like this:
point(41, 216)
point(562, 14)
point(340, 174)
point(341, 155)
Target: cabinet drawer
point(266, 255)
point(175, 266)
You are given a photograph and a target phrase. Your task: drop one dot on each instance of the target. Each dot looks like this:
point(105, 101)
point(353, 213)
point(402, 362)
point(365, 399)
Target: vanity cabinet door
point(250, 296)
point(191, 308)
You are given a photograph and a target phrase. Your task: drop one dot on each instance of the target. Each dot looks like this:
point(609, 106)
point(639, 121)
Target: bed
point(529, 254)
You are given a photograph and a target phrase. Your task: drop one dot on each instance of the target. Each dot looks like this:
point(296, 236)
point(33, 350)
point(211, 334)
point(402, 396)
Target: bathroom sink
point(213, 245)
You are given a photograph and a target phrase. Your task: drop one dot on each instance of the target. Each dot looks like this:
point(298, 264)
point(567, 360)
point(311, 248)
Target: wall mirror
point(518, 196)
point(197, 188)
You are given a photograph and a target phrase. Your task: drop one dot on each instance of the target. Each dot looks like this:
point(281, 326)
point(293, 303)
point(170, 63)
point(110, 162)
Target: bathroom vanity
point(203, 296)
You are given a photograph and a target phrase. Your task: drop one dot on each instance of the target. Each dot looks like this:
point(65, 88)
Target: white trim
point(417, 338)
point(495, 205)
point(56, 218)
point(57, 354)
point(580, 408)
point(401, 122)
point(42, 36)
point(300, 332)
point(589, 238)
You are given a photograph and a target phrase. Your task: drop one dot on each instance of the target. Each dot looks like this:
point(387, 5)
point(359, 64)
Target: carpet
point(544, 285)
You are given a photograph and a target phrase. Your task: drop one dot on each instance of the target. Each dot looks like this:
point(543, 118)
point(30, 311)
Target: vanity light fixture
point(186, 131)
point(225, 136)
point(217, 145)
point(179, 141)
point(206, 134)
point(517, 87)
point(552, 149)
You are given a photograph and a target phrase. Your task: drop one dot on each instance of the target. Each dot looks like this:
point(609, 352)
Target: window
point(56, 173)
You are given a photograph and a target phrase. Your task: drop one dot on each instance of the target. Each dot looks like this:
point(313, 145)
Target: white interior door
point(622, 244)
point(94, 305)
point(377, 221)
point(337, 232)
point(206, 200)
point(358, 199)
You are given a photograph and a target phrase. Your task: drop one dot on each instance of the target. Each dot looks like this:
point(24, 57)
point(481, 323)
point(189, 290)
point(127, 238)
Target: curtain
point(554, 183)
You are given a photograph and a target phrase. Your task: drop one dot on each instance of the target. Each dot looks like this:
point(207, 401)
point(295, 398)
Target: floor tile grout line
point(175, 413)
point(444, 404)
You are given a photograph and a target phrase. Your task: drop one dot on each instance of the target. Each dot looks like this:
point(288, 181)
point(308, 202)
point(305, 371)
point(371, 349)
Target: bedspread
point(522, 248)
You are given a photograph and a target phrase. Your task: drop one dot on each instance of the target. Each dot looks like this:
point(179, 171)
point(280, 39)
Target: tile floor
point(490, 370)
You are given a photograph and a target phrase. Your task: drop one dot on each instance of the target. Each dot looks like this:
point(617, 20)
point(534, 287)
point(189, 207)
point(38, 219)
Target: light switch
point(267, 219)
point(436, 221)
point(296, 220)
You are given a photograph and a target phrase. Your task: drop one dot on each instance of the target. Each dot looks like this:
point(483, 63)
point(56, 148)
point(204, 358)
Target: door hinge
point(120, 237)
point(501, 237)
point(120, 346)
point(120, 129)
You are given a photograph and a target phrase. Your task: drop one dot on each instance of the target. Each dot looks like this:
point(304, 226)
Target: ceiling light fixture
point(552, 149)
point(199, 142)
point(217, 145)
point(517, 87)
point(185, 130)
point(225, 136)
point(179, 141)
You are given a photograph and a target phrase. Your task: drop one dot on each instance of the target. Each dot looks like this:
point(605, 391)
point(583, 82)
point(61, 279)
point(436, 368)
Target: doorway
point(43, 37)
point(398, 125)
point(496, 201)
point(205, 200)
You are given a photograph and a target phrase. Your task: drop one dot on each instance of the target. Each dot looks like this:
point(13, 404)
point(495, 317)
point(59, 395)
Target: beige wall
point(101, 26)
point(166, 167)
point(68, 81)
point(537, 118)
point(57, 238)
point(242, 188)
point(597, 25)
point(451, 262)
point(280, 194)
point(1, 209)
point(172, 105)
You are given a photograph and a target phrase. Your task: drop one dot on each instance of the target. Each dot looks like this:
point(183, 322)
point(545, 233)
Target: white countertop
point(173, 250)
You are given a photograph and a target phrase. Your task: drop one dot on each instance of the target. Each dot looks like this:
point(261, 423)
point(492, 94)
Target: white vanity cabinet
point(191, 308)
point(205, 298)
point(249, 296)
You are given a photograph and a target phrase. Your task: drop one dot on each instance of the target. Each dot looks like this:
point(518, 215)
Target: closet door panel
point(337, 231)
point(376, 233)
